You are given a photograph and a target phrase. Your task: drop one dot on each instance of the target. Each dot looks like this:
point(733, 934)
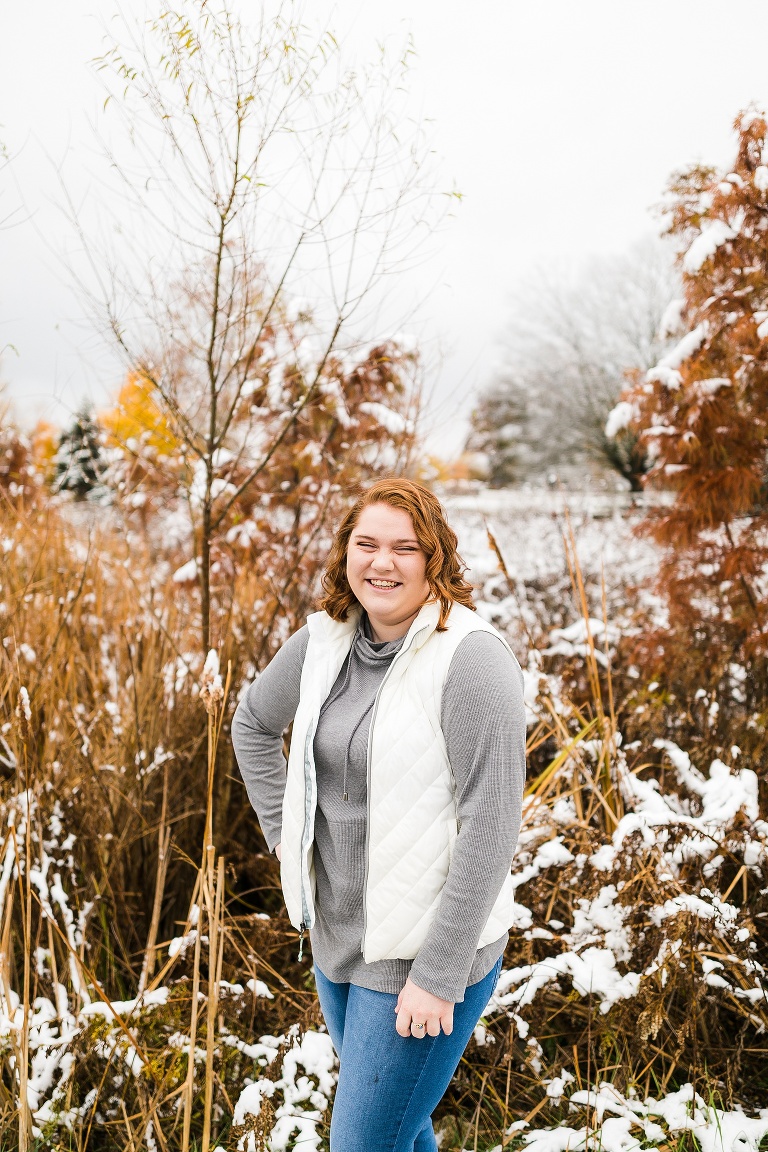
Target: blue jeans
point(389, 1085)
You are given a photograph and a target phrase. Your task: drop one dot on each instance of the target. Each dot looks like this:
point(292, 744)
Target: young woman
point(398, 816)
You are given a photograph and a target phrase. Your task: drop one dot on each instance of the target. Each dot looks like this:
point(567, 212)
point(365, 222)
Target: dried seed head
point(24, 712)
point(211, 688)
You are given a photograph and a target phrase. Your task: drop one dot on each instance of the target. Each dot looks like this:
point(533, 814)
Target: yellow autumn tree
point(144, 456)
point(44, 442)
point(137, 421)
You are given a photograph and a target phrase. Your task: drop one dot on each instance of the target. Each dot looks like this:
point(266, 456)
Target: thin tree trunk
point(223, 791)
point(205, 578)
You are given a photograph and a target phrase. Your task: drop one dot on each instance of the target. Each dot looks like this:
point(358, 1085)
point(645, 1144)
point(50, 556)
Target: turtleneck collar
point(370, 650)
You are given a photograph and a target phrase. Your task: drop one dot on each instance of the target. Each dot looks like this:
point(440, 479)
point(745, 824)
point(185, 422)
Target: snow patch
point(390, 420)
point(672, 321)
point(707, 243)
point(306, 1084)
point(619, 418)
point(666, 371)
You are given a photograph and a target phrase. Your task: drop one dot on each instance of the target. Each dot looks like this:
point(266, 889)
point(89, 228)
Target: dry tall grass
point(146, 938)
point(108, 791)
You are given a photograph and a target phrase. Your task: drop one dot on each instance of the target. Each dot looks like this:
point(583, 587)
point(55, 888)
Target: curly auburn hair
point(437, 539)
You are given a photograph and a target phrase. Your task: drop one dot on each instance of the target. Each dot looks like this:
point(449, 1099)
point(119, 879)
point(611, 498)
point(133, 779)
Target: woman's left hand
point(415, 1006)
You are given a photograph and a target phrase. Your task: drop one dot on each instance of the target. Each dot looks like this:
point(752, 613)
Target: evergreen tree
point(78, 462)
point(625, 448)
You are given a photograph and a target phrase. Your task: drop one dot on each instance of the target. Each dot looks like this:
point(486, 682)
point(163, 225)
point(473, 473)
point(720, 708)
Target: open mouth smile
point(383, 585)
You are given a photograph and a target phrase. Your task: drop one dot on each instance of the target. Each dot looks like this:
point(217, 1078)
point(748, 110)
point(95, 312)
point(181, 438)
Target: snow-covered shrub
point(638, 955)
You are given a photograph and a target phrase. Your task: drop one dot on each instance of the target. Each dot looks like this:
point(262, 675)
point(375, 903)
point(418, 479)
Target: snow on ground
point(627, 1124)
point(534, 529)
point(530, 523)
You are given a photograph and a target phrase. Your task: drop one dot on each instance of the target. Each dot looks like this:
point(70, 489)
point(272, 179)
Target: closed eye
point(369, 545)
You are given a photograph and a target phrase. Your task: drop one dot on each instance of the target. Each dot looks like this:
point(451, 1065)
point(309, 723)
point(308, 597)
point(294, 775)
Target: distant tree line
point(571, 341)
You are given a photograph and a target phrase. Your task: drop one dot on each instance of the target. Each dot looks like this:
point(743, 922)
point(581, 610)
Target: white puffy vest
point(412, 816)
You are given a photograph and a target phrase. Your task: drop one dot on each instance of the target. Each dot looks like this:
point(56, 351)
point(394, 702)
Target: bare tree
point(266, 194)
point(570, 342)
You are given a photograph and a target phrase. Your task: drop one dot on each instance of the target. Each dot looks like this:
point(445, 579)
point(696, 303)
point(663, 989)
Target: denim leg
point(425, 1141)
point(389, 1085)
point(333, 1003)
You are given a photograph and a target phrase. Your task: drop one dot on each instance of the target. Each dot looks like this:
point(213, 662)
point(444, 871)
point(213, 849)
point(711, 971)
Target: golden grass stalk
point(511, 582)
point(163, 850)
point(609, 794)
point(25, 1117)
point(189, 1087)
point(602, 723)
point(5, 979)
point(541, 785)
point(215, 952)
point(211, 903)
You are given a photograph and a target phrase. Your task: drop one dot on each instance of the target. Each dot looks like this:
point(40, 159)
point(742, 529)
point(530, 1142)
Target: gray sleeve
point(262, 716)
point(483, 720)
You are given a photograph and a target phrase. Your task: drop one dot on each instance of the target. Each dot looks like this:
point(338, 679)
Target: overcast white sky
point(559, 122)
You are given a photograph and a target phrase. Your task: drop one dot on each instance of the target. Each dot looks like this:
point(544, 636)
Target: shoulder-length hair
point(438, 541)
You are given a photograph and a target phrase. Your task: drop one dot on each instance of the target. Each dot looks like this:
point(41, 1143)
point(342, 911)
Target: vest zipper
point(368, 782)
point(306, 917)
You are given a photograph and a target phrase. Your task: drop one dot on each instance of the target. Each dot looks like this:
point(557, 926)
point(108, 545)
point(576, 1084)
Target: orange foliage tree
point(19, 477)
point(702, 413)
point(283, 466)
point(284, 477)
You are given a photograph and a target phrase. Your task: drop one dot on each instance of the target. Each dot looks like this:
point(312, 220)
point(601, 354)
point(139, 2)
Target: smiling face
point(386, 569)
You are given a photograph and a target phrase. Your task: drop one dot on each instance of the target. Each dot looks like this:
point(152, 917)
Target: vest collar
point(424, 625)
point(323, 627)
